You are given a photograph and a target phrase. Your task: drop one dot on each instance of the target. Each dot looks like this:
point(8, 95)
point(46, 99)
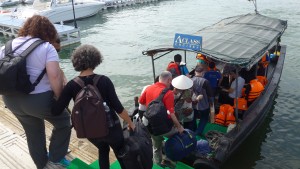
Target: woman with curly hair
point(34, 108)
point(85, 59)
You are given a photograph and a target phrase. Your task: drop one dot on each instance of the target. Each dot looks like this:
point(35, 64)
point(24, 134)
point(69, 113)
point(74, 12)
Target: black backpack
point(88, 114)
point(13, 73)
point(157, 116)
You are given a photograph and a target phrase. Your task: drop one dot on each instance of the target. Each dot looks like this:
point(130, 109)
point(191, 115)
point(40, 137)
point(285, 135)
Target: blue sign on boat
point(183, 41)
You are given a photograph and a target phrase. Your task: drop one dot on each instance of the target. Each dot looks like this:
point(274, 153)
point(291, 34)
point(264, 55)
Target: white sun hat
point(182, 82)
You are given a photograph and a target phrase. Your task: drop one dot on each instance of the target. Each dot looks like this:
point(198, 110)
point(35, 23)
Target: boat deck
point(10, 25)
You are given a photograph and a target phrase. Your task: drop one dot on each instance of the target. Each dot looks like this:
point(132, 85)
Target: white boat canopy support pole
point(236, 96)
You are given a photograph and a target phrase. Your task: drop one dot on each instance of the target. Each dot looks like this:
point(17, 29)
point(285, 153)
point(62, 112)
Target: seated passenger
point(234, 90)
point(253, 91)
point(177, 67)
point(183, 101)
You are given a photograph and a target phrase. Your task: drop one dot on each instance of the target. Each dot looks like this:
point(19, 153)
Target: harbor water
point(122, 34)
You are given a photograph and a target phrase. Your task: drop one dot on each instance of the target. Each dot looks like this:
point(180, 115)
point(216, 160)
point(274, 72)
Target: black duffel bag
point(137, 150)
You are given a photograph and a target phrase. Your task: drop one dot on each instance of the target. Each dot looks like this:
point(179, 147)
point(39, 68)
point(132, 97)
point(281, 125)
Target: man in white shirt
point(234, 90)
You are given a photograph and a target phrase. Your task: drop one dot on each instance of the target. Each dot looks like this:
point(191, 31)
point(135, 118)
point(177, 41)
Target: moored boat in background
point(4, 3)
point(27, 1)
point(62, 10)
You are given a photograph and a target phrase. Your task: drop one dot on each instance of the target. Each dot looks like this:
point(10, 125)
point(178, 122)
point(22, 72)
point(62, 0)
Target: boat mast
point(255, 5)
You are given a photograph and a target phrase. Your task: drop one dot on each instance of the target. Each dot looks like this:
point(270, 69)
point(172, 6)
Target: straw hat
point(182, 82)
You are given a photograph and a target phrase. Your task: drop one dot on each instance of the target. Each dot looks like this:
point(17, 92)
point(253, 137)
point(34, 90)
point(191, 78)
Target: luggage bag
point(180, 145)
point(137, 151)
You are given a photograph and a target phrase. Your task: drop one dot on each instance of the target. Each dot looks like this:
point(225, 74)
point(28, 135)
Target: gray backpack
point(13, 72)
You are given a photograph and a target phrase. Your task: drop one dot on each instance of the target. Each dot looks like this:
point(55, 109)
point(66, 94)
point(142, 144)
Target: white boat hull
point(64, 12)
point(8, 3)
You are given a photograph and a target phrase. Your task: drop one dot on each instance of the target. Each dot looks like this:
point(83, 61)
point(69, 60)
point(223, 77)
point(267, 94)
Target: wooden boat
point(239, 42)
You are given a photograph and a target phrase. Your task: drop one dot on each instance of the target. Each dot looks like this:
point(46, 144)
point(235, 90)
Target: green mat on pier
point(116, 165)
point(78, 164)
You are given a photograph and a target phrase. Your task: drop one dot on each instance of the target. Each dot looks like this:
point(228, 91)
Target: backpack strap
point(37, 81)
point(30, 49)
point(96, 80)
point(8, 46)
point(81, 83)
point(27, 51)
point(162, 94)
point(178, 98)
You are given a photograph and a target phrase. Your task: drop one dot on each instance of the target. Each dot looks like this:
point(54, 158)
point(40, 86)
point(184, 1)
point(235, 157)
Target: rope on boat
point(213, 138)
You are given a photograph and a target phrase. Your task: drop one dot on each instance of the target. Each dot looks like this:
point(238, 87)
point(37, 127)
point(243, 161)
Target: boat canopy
point(240, 40)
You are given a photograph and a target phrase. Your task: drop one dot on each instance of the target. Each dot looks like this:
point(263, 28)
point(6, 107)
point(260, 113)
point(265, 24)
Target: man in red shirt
point(152, 92)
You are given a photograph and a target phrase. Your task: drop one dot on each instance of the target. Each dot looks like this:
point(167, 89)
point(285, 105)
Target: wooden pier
point(10, 25)
point(14, 152)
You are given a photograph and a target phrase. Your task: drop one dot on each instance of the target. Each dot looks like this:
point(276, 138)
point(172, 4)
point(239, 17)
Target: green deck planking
point(116, 165)
point(78, 164)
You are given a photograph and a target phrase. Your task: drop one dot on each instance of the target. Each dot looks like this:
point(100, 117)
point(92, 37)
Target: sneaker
point(51, 165)
point(63, 163)
point(168, 164)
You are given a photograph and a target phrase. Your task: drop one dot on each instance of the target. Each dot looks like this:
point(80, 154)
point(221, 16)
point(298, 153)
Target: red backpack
point(88, 115)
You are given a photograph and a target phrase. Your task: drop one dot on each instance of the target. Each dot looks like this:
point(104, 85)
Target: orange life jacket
point(243, 92)
point(230, 118)
point(262, 79)
point(220, 118)
point(173, 67)
point(225, 114)
point(256, 89)
point(264, 61)
point(242, 103)
point(214, 69)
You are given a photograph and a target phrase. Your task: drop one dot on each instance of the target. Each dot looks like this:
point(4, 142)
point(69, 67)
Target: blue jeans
point(203, 115)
